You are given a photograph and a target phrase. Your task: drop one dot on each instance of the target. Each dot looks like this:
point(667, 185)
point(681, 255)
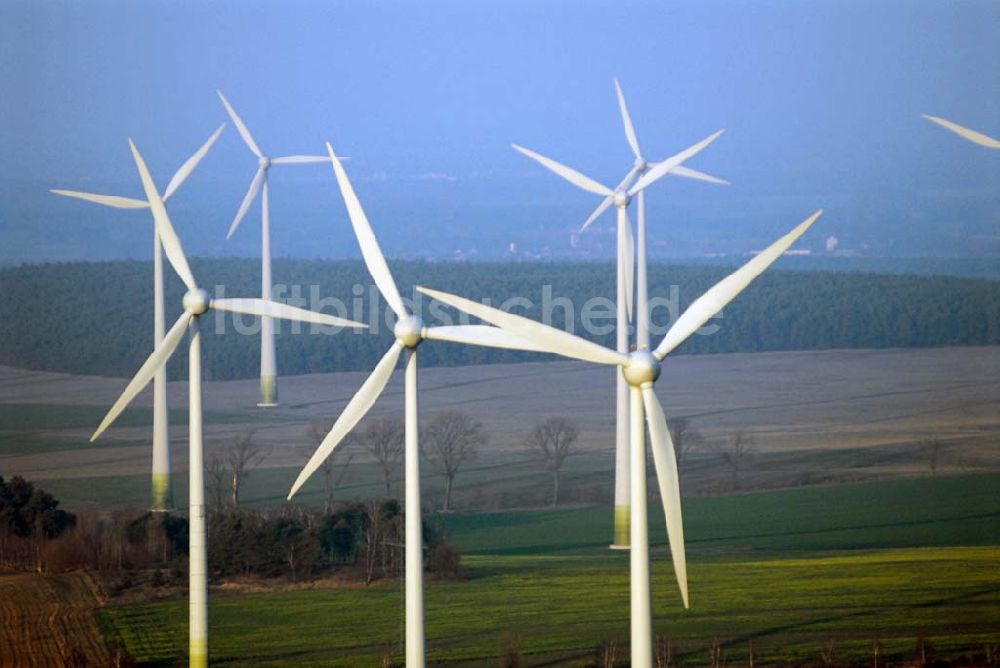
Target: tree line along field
point(795, 575)
point(111, 303)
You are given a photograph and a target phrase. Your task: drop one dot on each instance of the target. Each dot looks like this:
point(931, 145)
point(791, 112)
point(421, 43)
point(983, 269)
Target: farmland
point(818, 417)
point(795, 573)
point(49, 621)
point(837, 535)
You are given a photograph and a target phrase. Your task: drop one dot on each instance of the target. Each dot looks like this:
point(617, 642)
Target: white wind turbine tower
point(621, 197)
point(268, 366)
point(971, 135)
point(197, 302)
point(410, 331)
point(162, 495)
point(641, 368)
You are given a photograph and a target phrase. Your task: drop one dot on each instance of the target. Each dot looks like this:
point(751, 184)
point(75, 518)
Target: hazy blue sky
point(821, 102)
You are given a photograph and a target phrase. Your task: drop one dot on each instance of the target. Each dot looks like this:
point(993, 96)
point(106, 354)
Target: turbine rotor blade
point(300, 159)
point(971, 135)
point(661, 169)
point(601, 208)
point(189, 165)
point(626, 256)
point(606, 202)
point(273, 309)
point(568, 173)
point(633, 141)
point(480, 335)
point(689, 173)
point(153, 363)
point(258, 180)
point(665, 462)
point(164, 228)
point(628, 178)
point(370, 250)
point(548, 339)
point(240, 126)
point(723, 292)
point(107, 200)
point(352, 414)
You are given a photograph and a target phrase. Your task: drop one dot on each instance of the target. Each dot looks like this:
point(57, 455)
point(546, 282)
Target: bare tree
point(663, 652)
point(244, 457)
point(382, 539)
point(736, 454)
point(827, 653)
point(686, 438)
point(607, 654)
point(932, 448)
point(215, 480)
point(335, 466)
point(553, 440)
point(716, 654)
point(450, 439)
point(383, 437)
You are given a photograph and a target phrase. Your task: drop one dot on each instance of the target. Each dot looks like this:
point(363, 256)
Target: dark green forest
point(96, 318)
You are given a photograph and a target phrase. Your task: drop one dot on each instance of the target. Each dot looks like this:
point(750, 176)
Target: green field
point(795, 572)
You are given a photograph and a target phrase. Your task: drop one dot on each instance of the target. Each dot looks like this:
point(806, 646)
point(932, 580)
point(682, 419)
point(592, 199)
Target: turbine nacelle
point(409, 331)
point(621, 198)
point(642, 368)
point(197, 301)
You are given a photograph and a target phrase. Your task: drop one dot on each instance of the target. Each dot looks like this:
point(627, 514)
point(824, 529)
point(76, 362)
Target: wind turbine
point(268, 366)
point(162, 496)
point(640, 369)
point(971, 135)
point(621, 197)
point(410, 331)
point(196, 303)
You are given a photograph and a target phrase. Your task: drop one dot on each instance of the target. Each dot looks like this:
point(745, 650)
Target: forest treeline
point(96, 318)
point(359, 540)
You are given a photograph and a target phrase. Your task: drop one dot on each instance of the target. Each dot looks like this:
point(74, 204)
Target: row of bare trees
point(451, 439)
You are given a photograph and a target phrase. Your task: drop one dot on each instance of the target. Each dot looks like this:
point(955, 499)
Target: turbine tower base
point(163, 498)
point(268, 392)
point(622, 528)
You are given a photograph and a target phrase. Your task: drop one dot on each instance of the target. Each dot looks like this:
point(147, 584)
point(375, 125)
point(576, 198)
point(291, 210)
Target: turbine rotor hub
point(621, 199)
point(264, 162)
point(197, 301)
point(409, 331)
point(642, 368)
point(641, 165)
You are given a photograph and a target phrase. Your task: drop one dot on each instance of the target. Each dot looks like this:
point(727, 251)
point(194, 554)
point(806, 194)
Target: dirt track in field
point(48, 620)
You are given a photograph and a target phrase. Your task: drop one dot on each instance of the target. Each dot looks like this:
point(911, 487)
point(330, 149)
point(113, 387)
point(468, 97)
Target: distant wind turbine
point(410, 331)
point(162, 494)
point(640, 369)
point(196, 303)
point(971, 135)
point(268, 366)
point(621, 197)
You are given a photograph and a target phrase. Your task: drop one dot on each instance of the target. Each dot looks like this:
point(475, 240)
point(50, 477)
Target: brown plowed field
point(48, 620)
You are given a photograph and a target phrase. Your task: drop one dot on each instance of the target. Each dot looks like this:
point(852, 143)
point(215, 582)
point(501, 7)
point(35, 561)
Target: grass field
point(795, 572)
